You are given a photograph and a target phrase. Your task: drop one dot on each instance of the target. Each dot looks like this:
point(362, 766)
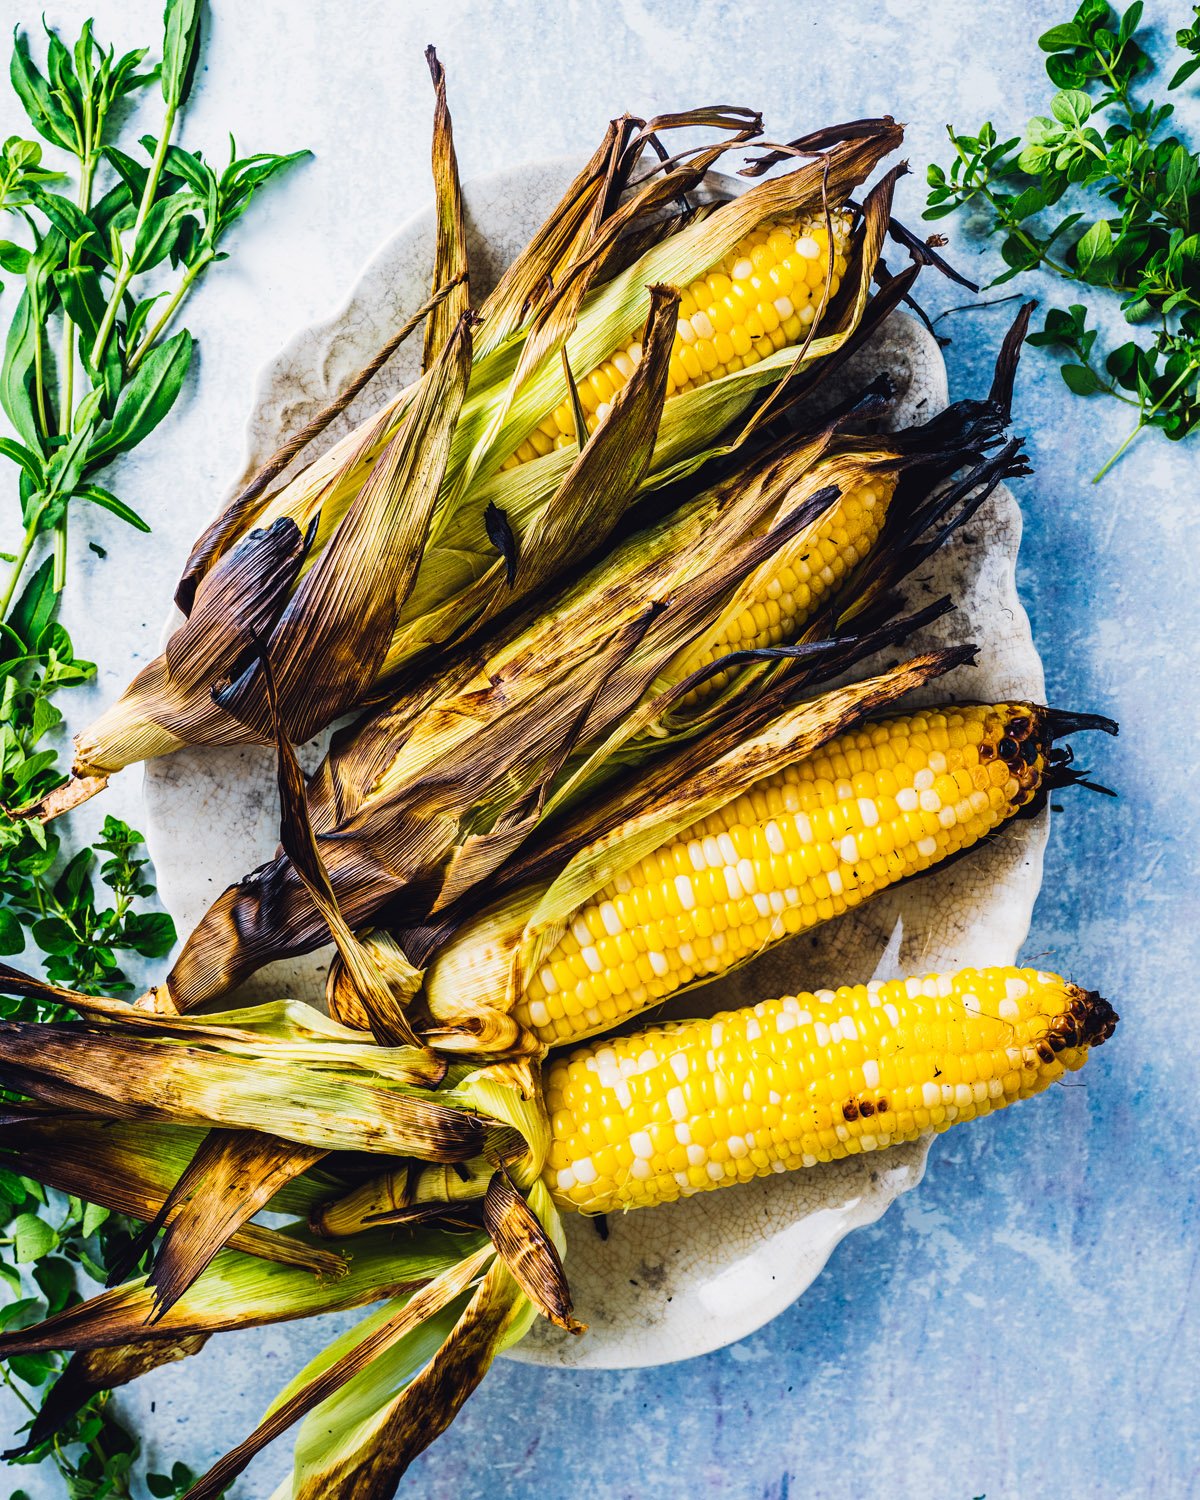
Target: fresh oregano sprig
point(1131, 226)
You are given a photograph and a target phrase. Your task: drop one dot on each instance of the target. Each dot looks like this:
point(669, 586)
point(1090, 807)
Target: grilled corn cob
point(682, 1108)
point(764, 295)
point(783, 595)
point(878, 804)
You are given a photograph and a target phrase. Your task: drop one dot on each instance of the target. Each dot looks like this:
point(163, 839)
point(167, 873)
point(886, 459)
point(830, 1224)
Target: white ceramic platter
point(692, 1277)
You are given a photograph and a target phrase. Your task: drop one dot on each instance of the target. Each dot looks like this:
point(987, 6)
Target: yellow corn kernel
point(738, 304)
point(781, 596)
point(806, 1078)
point(792, 881)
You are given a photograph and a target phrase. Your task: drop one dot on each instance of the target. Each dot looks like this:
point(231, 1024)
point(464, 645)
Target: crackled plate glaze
point(692, 1277)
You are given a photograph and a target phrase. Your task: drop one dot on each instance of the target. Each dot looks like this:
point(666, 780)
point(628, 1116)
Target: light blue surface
point(1025, 1323)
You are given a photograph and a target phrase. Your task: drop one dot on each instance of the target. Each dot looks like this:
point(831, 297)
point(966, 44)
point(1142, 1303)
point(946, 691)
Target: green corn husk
point(283, 565)
point(418, 805)
point(456, 1297)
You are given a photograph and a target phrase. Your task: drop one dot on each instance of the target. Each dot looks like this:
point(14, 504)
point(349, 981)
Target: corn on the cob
point(781, 596)
point(764, 295)
point(682, 1108)
point(874, 806)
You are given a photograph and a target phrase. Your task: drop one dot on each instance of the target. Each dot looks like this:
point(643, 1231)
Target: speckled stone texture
point(1025, 1324)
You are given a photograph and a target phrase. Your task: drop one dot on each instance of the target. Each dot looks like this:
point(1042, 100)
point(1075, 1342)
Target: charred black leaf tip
point(503, 538)
point(1061, 722)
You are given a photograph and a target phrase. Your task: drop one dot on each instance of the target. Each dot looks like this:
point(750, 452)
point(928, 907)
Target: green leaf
point(34, 610)
point(1082, 380)
point(1181, 172)
point(30, 461)
point(33, 1369)
point(147, 399)
point(54, 936)
point(1182, 74)
point(242, 179)
point(32, 1238)
point(56, 1279)
point(1058, 37)
point(160, 231)
point(17, 375)
point(181, 46)
point(73, 223)
point(132, 173)
point(13, 257)
point(12, 935)
point(46, 114)
point(1130, 21)
point(83, 298)
point(108, 501)
point(94, 1214)
point(12, 1189)
point(149, 933)
point(1071, 106)
point(1094, 251)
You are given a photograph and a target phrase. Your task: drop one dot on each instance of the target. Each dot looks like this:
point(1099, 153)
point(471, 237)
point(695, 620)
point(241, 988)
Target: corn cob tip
point(1088, 1021)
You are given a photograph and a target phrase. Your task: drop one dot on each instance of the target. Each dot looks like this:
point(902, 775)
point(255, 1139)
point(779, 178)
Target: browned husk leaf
point(528, 1252)
point(91, 1371)
point(93, 1160)
point(233, 1174)
point(423, 1304)
point(116, 1076)
point(450, 258)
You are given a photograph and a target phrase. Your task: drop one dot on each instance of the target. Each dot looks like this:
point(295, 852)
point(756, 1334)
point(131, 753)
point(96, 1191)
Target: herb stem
point(18, 566)
point(1144, 421)
point(87, 163)
point(125, 273)
point(168, 312)
point(39, 379)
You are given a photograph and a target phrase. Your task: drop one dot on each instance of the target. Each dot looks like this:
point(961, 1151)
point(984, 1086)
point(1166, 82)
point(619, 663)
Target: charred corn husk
point(763, 296)
point(874, 806)
point(782, 552)
point(272, 557)
point(686, 1107)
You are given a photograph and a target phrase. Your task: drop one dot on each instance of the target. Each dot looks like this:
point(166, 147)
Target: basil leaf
point(1094, 251)
point(1081, 380)
point(32, 1238)
point(12, 935)
point(1071, 106)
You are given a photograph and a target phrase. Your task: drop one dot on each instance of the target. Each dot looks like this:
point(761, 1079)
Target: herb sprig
point(1132, 225)
point(90, 270)
point(104, 254)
